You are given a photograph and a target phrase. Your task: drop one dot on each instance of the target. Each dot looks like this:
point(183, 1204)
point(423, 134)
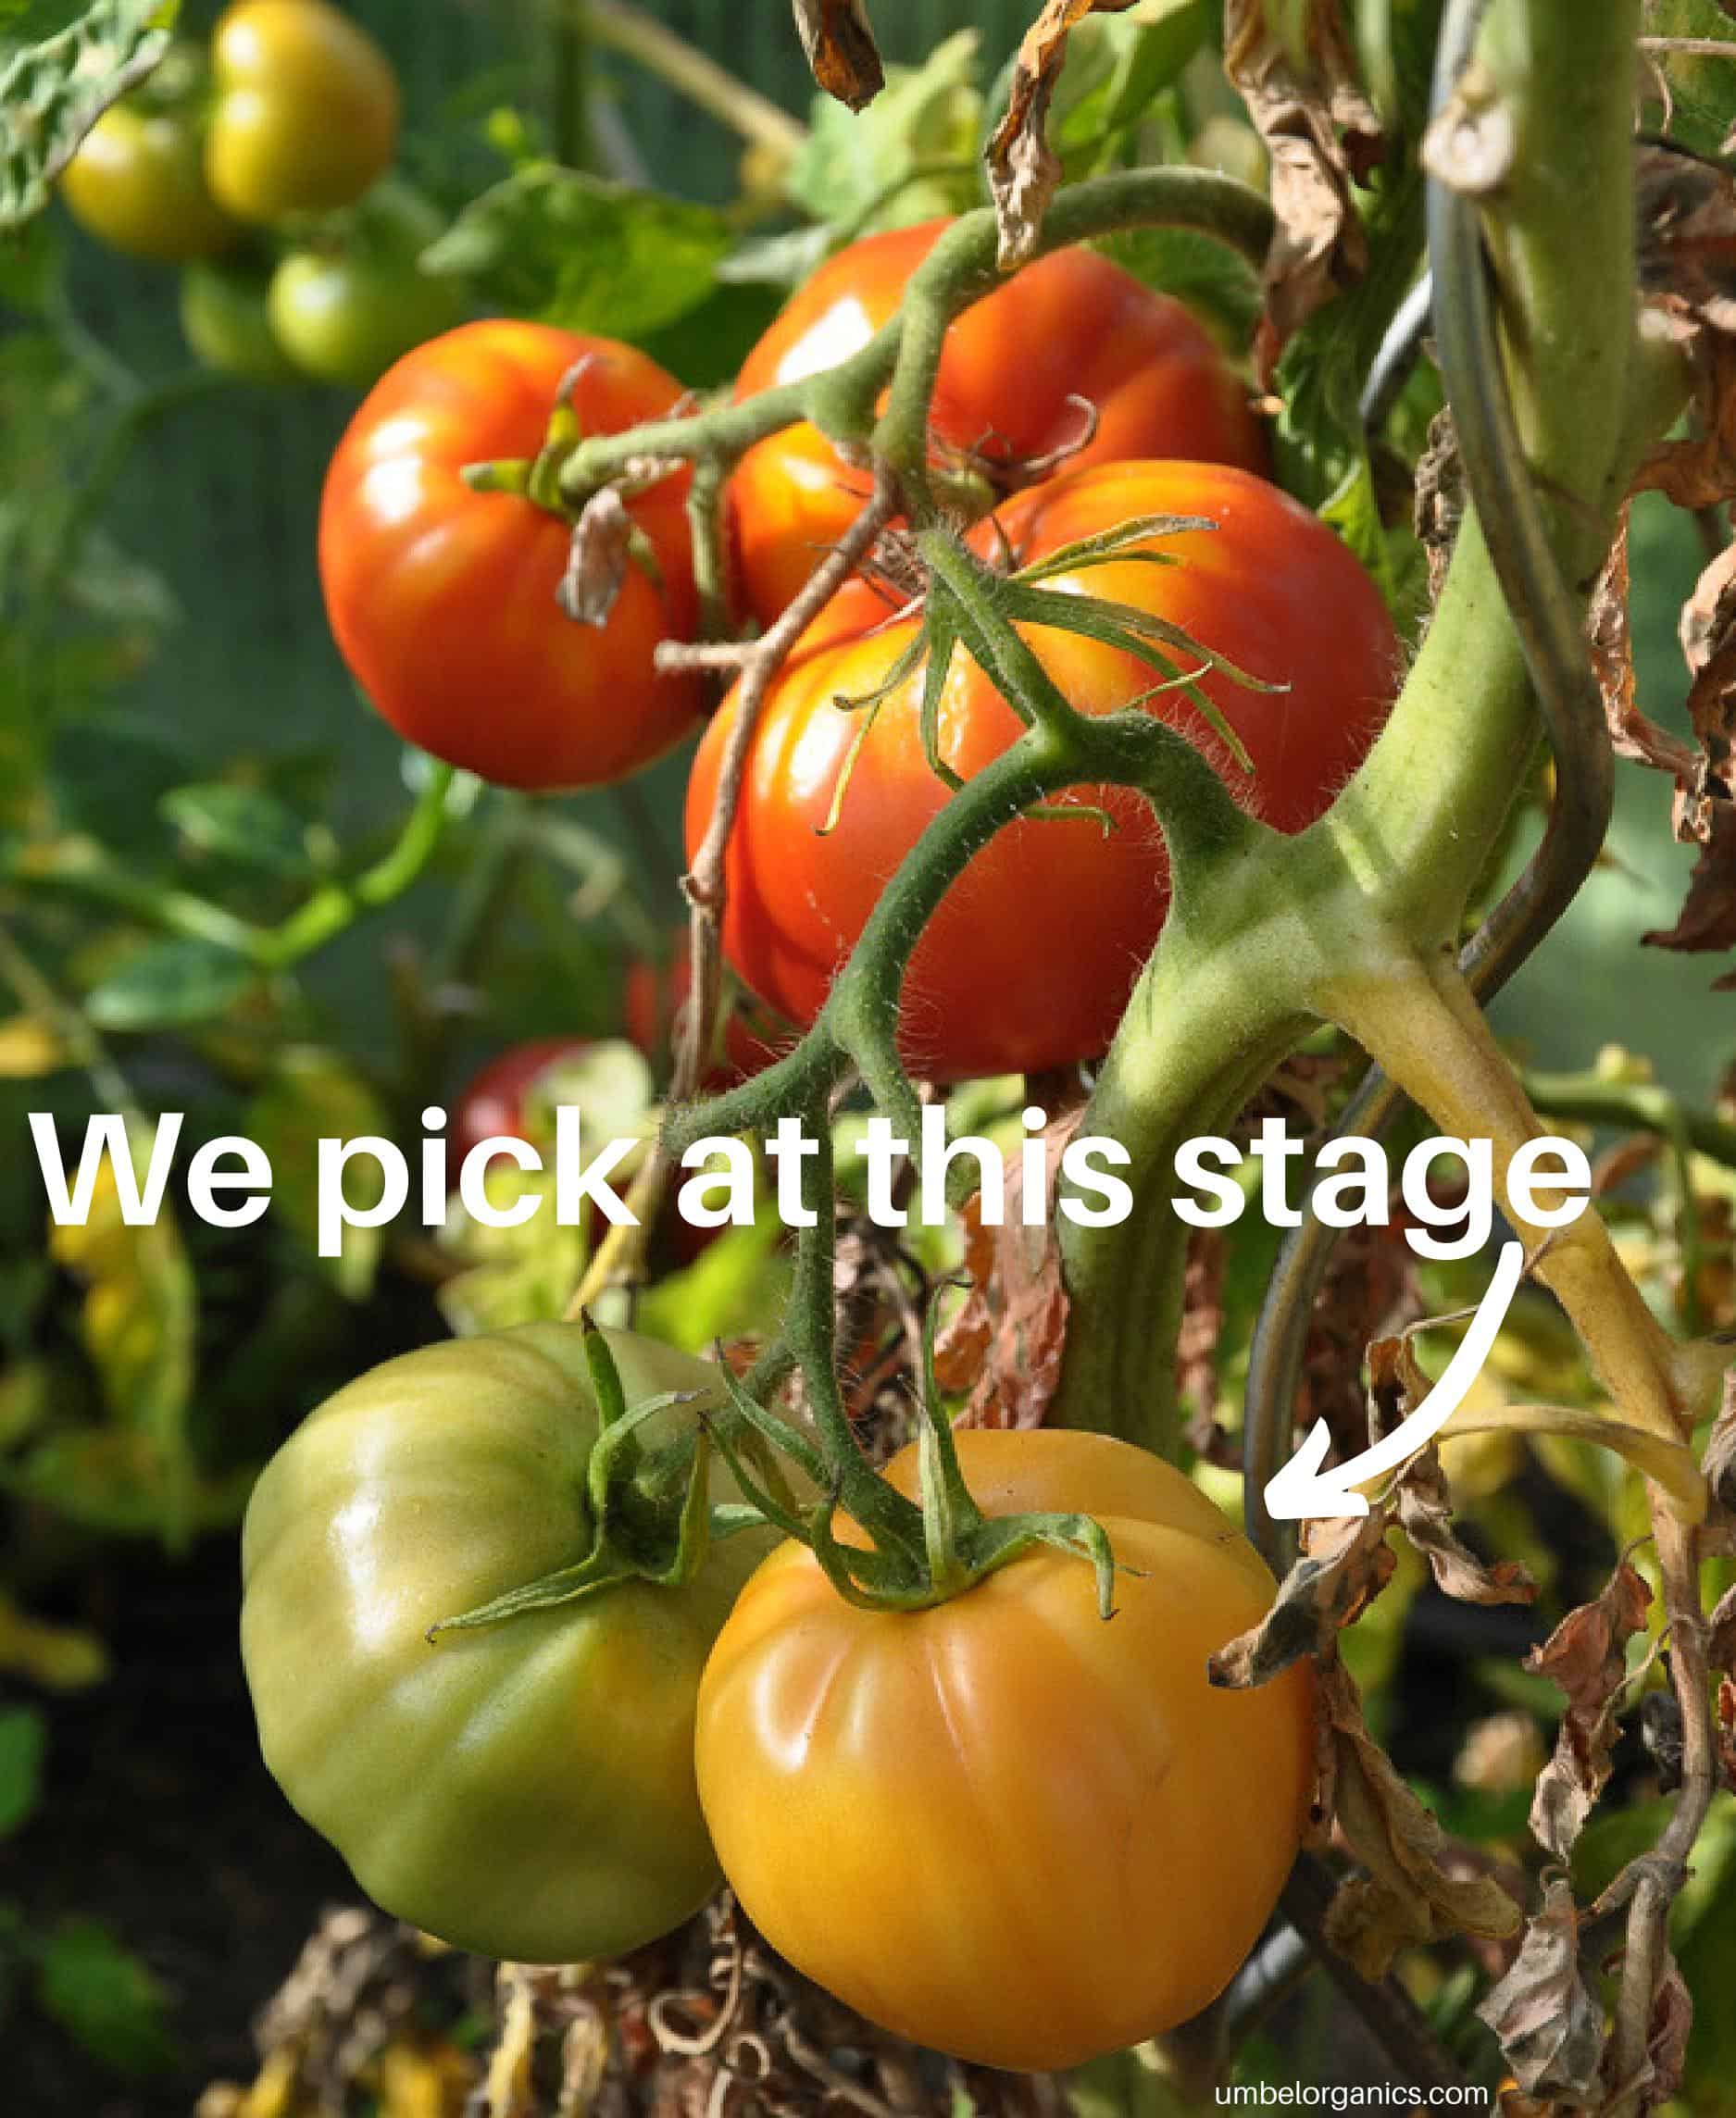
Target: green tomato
point(343, 316)
point(307, 110)
point(137, 184)
point(225, 324)
point(526, 1789)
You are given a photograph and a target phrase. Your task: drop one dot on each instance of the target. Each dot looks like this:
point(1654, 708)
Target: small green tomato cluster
point(263, 168)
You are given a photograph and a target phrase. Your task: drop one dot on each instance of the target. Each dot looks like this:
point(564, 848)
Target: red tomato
point(1072, 325)
point(441, 600)
point(493, 1105)
point(654, 999)
point(1029, 960)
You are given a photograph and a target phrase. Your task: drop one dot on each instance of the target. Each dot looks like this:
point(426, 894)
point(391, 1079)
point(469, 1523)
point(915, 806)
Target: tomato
point(225, 324)
point(493, 1103)
point(441, 599)
point(306, 109)
point(525, 1790)
point(655, 1000)
point(345, 315)
point(1072, 325)
point(1030, 958)
point(1003, 1827)
point(137, 184)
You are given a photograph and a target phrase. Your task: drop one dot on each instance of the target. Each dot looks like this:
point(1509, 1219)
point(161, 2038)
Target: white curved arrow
point(1300, 1489)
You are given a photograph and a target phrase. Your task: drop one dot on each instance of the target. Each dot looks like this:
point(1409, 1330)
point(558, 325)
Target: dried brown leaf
point(1397, 1386)
point(1320, 131)
point(1408, 1896)
point(839, 41)
point(1585, 1658)
point(1344, 1565)
point(1633, 735)
point(1550, 2026)
point(1024, 170)
point(1005, 1344)
point(1666, 2048)
point(597, 563)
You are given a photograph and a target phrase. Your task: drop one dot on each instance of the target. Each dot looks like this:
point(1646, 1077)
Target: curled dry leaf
point(1550, 2026)
point(1024, 170)
point(1666, 2047)
point(1344, 1565)
point(1633, 735)
point(1397, 1386)
point(597, 565)
point(1321, 133)
point(1005, 1344)
point(1585, 1657)
point(1408, 1895)
point(840, 45)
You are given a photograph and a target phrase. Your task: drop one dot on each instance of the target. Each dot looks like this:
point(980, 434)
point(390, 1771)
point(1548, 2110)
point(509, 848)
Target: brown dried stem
point(1650, 1884)
point(619, 1257)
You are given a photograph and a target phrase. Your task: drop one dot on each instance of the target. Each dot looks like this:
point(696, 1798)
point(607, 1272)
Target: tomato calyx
point(917, 1555)
point(651, 1507)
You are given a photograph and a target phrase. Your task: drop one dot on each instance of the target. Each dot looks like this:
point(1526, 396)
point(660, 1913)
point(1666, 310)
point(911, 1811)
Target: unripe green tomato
point(525, 1790)
point(137, 184)
point(307, 110)
point(345, 315)
point(225, 324)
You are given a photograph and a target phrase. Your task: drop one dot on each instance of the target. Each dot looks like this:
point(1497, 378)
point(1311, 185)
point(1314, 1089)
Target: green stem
point(339, 904)
point(1386, 874)
point(958, 271)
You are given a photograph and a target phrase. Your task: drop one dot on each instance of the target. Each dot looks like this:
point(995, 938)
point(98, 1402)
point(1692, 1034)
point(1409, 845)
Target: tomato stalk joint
point(652, 1508)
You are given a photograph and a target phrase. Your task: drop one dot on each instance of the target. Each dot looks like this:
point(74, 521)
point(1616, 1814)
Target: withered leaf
point(1320, 130)
point(596, 565)
point(1024, 170)
point(1397, 1386)
point(1346, 1562)
point(1584, 1656)
point(1005, 1344)
point(839, 41)
point(1666, 2048)
point(1408, 1896)
point(1550, 2028)
point(1633, 735)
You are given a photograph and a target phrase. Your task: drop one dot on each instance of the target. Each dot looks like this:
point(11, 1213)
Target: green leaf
point(241, 824)
point(170, 985)
point(1701, 90)
point(911, 155)
point(105, 2000)
point(70, 66)
point(733, 1285)
point(1208, 276)
point(23, 1744)
point(1116, 67)
point(586, 255)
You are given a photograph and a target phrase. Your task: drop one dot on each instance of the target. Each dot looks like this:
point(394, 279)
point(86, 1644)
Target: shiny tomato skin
point(1030, 960)
point(1053, 1837)
point(491, 1105)
point(306, 109)
point(137, 184)
point(1072, 325)
point(524, 1789)
point(441, 600)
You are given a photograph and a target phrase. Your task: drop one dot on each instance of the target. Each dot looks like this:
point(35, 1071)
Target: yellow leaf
point(29, 1048)
point(61, 1658)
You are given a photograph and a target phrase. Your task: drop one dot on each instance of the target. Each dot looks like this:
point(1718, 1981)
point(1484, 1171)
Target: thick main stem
point(1404, 844)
